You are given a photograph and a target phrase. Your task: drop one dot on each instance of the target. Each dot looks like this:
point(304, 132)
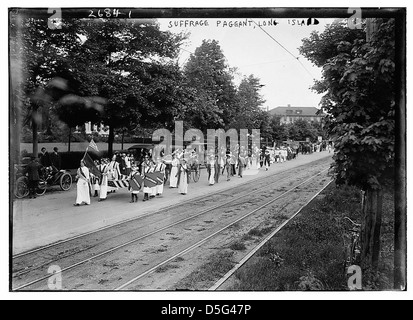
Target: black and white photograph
point(207, 149)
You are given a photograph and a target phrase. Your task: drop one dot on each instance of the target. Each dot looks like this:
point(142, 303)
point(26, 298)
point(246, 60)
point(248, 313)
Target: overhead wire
point(288, 51)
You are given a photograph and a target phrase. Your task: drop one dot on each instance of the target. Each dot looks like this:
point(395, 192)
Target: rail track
point(32, 275)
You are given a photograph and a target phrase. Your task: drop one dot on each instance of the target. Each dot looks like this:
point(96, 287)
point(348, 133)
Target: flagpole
point(87, 148)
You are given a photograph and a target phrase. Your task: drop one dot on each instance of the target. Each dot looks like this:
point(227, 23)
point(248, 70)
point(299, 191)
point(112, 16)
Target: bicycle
point(353, 253)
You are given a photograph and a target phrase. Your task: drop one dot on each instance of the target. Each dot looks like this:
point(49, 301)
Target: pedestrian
point(160, 167)
point(173, 180)
point(55, 159)
point(217, 168)
point(104, 180)
point(241, 164)
point(147, 168)
point(113, 172)
point(183, 177)
point(267, 159)
point(83, 185)
point(212, 165)
point(33, 171)
point(95, 180)
point(153, 189)
point(133, 188)
point(228, 167)
point(45, 158)
point(128, 165)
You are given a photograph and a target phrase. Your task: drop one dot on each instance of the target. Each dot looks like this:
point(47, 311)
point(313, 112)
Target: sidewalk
point(53, 217)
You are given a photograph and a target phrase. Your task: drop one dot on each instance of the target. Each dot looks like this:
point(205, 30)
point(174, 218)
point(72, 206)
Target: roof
point(294, 111)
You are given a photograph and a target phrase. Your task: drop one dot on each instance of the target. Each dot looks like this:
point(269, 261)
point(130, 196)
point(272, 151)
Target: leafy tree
point(37, 55)
point(358, 87)
point(278, 131)
point(213, 90)
point(129, 63)
point(248, 112)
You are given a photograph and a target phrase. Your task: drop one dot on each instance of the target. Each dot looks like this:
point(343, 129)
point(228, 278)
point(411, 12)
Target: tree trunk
point(35, 136)
point(371, 229)
point(123, 135)
point(70, 138)
point(111, 138)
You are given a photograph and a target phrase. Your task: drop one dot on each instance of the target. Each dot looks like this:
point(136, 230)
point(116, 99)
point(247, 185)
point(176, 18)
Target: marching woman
point(212, 170)
point(133, 188)
point(173, 182)
point(104, 183)
point(153, 189)
point(95, 180)
point(183, 177)
point(160, 167)
point(113, 172)
point(83, 191)
point(148, 168)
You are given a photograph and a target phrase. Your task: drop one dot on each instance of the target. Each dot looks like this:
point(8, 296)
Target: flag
point(91, 165)
point(118, 183)
point(93, 145)
point(150, 180)
point(160, 176)
point(136, 182)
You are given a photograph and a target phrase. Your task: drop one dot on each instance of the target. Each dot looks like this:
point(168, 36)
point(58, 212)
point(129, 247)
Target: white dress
point(183, 180)
point(159, 187)
point(173, 180)
point(212, 176)
point(83, 186)
point(104, 184)
point(113, 174)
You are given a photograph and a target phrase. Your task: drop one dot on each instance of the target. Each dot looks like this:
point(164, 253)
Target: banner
point(150, 180)
point(91, 165)
point(118, 183)
point(136, 182)
point(160, 176)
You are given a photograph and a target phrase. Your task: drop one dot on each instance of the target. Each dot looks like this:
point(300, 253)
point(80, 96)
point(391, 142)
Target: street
point(173, 239)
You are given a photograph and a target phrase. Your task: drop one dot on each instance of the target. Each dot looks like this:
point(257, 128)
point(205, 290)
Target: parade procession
point(149, 176)
point(205, 149)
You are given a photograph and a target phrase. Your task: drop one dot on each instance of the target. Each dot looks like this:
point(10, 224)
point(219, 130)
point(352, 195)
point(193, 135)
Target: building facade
point(291, 114)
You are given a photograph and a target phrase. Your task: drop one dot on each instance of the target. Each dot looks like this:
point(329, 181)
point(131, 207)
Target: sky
point(269, 52)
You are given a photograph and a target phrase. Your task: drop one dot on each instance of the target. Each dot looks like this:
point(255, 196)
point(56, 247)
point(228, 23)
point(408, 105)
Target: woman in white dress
point(113, 173)
point(212, 170)
point(104, 180)
point(173, 180)
point(83, 192)
point(183, 177)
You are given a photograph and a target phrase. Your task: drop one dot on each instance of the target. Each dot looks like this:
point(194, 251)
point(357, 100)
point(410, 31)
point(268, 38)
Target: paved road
point(53, 217)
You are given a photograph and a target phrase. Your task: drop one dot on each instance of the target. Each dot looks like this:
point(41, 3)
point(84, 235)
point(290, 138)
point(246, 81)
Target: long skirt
point(147, 190)
point(104, 188)
point(183, 183)
point(153, 191)
point(82, 192)
point(212, 176)
point(159, 189)
point(173, 180)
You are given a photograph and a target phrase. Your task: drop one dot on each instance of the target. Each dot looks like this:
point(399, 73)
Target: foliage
point(358, 87)
point(213, 90)
point(249, 114)
point(129, 63)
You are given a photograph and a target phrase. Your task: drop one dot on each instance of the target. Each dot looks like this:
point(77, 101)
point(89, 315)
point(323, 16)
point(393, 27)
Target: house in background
point(291, 114)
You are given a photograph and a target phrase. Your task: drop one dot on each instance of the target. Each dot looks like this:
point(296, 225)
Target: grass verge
point(309, 253)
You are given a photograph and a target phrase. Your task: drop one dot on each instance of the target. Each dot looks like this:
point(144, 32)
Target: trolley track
point(159, 230)
point(159, 276)
point(36, 259)
point(202, 200)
